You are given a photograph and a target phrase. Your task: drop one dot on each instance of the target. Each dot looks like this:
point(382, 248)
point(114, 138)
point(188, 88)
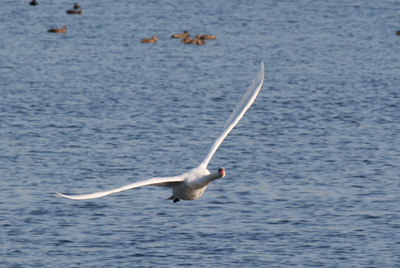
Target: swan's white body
point(192, 184)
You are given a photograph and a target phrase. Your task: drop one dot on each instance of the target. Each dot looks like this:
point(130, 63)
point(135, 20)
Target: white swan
point(192, 184)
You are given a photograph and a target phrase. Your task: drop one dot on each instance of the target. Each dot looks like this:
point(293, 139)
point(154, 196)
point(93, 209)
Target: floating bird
point(74, 12)
point(152, 40)
point(208, 37)
point(198, 41)
point(187, 40)
point(63, 30)
point(183, 35)
point(192, 184)
point(77, 7)
point(33, 3)
point(398, 32)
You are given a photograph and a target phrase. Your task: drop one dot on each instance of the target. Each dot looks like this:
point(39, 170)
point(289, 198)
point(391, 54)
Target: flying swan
point(192, 184)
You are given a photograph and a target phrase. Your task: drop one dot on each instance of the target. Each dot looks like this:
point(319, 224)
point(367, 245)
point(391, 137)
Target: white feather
point(164, 181)
point(240, 109)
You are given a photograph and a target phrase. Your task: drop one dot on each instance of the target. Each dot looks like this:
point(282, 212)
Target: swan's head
point(221, 172)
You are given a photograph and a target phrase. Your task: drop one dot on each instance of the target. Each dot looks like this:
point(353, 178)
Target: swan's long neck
point(205, 180)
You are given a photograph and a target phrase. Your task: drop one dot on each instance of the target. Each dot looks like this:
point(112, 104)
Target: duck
point(33, 3)
point(183, 35)
point(398, 32)
point(187, 40)
point(198, 41)
point(74, 12)
point(62, 30)
point(208, 37)
point(152, 40)
point(77, 7)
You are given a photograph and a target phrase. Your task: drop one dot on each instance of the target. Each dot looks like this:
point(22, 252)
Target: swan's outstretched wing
point(237, 113)
point(165, 182)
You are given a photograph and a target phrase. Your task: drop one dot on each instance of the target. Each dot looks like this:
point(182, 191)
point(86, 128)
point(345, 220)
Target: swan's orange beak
point(221, 171)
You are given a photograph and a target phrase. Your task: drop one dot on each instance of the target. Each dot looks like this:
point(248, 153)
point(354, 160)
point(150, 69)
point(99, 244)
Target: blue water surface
point(313, 176)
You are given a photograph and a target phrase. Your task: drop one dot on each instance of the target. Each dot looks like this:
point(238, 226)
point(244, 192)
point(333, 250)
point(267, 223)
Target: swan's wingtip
point(60, 195)
point(73, 197)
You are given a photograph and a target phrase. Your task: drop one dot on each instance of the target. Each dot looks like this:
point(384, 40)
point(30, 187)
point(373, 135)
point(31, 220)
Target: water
point(312, 169)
